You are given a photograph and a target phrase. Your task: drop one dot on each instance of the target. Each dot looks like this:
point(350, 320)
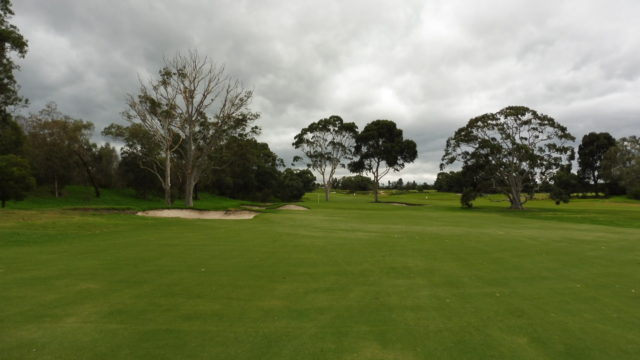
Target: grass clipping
point(200, 214)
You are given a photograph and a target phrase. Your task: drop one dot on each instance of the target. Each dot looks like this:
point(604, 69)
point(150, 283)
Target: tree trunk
point(327, 189)
point(167, 179)
point(516, 202)
point(189, 171)
point(375, 189)
point(595, 185)
point(55, 186)
point(188, 191)
point(89, 175)
point(196, 192)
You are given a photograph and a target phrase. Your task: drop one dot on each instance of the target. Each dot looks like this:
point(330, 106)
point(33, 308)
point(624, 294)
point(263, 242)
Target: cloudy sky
point(428, 65)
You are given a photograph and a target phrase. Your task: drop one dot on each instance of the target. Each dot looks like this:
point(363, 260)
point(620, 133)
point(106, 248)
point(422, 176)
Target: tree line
point(191, 129)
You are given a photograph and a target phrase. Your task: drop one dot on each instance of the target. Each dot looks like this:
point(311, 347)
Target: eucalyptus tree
point(590, 154)
point(155, 108)
point(212, 107)
point(328, 144)
point(381, 148)
point(11, 41)
point(621, 163)
point(516, 147)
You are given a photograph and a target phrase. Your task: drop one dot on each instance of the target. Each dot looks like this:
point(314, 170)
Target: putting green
point(348, 279)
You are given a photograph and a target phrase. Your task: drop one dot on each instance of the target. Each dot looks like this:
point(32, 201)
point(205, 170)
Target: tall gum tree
point(211, 106)
point(517, 146)
point(381, 148)
point(328, 144)
point(155, 109)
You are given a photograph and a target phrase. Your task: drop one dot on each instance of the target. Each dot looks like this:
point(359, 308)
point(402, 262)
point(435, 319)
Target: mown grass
point(349, 279)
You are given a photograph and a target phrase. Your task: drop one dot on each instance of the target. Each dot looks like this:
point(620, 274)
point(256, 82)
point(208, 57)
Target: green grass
point(349, 279)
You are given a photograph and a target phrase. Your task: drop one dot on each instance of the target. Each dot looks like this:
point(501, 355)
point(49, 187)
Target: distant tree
point(57, 144)
point(399, 185)
point(517, 146)
point(295, 183)
point(15, 178)
point(106, 162)
point(381, 148)
point(356, 183)
point(11, 41)
point(590, 154)
point(564, 183)
point(327, 144)
point(141, 163)
point(11, 135)
point(621, 164)
point(244, 169)
point(155, 108)
point(452, 181)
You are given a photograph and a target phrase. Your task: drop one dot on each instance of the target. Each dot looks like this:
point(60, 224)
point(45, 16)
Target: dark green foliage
point(59, 148)
point(381, 148)
point(11, 135)
point(11, 41)
point(327, 144)
point(244, 169)
point(356, 183)
point(15, 178)
point(621, 165)
point(106, 162)
point(451, 181)
point(515, 147)
point(294, 184)
point(141, 164)
point(564, 183)
point(590, 154)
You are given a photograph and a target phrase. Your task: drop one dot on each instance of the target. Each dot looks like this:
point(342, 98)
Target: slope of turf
point(349, 279)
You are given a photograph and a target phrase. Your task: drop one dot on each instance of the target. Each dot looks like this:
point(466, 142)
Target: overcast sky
point(429, 66)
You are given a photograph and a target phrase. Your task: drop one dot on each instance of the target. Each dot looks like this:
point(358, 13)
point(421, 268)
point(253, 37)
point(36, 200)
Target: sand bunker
point(398, 204)
point(253, 207)
point(199, 214)
point(292, 207)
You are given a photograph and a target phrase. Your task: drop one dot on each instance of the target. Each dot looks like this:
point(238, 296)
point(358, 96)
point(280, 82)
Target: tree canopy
point(590, 154)
point(622, 163)
point(516, 148)
point(327, 144)
point(381, 148)
point(11, 41)
point(15, 178)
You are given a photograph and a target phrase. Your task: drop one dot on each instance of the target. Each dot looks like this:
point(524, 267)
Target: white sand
point(199, 214)
point(253, 207)
point(292, 207)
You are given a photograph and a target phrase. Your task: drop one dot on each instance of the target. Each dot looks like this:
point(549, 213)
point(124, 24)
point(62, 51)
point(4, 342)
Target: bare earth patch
point(292, 207)
point(199, 214)
point(397, 204)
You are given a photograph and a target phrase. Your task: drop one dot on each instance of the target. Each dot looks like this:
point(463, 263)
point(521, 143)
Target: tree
point(106, 162)
point(15, 178)
point(516, 147)
point(621, 163)
point(11, 135)
point(295, 183)
point(244, 169)
point(211, 106)
point(327, 143)
point(381, 148)
point(141, 164)
point(565, 183)
point(155, 108)
point(57, 144)
point(590, 154)
point(356, 183)
point(11, 41)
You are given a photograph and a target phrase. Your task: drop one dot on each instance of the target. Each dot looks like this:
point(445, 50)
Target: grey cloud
point(429, 66)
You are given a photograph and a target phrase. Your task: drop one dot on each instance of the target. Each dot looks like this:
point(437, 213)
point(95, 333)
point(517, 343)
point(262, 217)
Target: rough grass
point(349, 279)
